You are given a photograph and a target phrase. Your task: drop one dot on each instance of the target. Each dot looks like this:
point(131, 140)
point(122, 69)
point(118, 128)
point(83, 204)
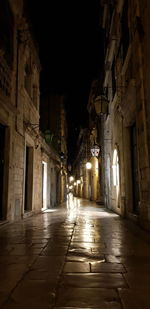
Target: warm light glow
point(75, 184)
point(66, 186)
point(114, 174)
point(70, 187)
point(87, 233)
point(88, 165)
point(44, 166)
point(115, 168)
point(50, 210)
point(71, 178)
point(100, 261)
point(78, 181)
point(96, 164)
point(73, 205)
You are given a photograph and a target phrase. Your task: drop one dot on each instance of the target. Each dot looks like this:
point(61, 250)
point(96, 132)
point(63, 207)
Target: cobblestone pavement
point(76, 256)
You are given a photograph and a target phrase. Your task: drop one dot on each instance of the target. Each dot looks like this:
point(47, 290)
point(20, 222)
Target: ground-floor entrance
point(134, 166)
point(28, 196)
point(2, 158)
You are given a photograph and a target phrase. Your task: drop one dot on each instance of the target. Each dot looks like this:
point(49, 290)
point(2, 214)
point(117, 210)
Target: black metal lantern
point(48, 136)
point(95, 149)
point(101, 105)
point(62, 156)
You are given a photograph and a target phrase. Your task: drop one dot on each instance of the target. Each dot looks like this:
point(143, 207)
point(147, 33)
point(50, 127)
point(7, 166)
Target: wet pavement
point(76, 256)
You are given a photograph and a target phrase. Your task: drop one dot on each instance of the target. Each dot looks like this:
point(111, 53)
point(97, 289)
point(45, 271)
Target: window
point(115, 167)
point(27, 78)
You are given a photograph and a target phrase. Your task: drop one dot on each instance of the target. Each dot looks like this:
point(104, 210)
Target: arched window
point(27, 77)
point(115, 167)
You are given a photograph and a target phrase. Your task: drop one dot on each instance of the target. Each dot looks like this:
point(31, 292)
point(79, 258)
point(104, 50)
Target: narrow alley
point(75, 154)
point(79, 255)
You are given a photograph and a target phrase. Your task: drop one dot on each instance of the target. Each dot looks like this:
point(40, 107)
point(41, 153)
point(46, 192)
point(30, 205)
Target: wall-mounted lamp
point(34, 128)
point(48, 135)
point(101, 105)
point(95, 149)
point(62, 156)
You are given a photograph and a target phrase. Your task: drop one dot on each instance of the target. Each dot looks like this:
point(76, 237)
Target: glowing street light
point(88, 165)
point(71, 178)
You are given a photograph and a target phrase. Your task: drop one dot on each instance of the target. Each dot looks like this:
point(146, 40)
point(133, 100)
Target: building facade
point(54, 129)
point(125, 121)
point(86, 167)
point(28, 166)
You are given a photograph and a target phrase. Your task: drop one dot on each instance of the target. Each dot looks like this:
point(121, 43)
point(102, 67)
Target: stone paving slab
point(83, 258)
point(9, 279)
point(77, 244)
point(91, 280)
point(137, 279)
point(43, 275)
point(29, 291)
point(135, 298)
point(77, 267)
point(107, 267)
point(86, 297)
point(9, 260)
point(3, 298)
point(91, 259)
point(102, 305)
point(55, 250)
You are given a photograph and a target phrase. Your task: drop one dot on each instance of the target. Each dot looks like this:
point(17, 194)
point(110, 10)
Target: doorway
point(2, 156)
point(116, 177)
point(28, 179)
point(44, 185)
point(107, 175)
point(134, 168)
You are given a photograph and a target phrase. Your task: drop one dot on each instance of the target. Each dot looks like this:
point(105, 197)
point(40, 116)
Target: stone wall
point(24, 149)
point(128, 119)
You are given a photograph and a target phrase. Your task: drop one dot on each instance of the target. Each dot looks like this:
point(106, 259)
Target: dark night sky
point(69, 42)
